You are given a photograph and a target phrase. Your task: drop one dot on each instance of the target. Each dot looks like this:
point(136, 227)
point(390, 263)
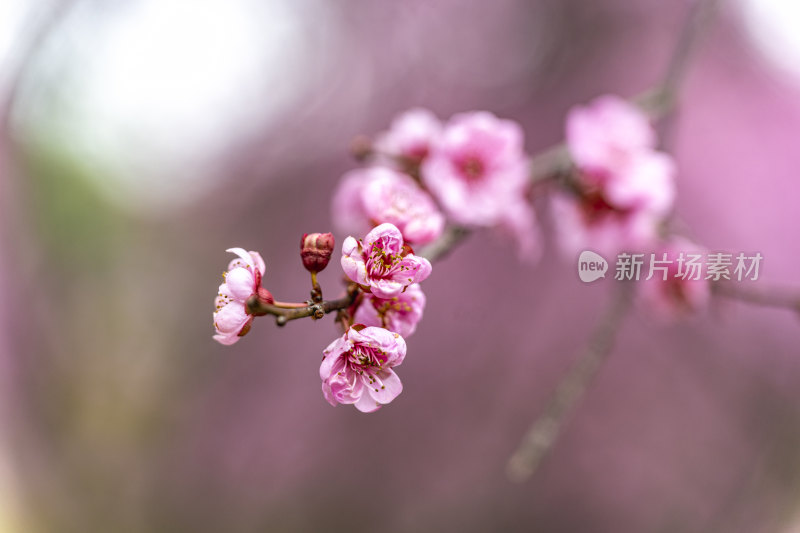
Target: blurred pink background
point(147, 138)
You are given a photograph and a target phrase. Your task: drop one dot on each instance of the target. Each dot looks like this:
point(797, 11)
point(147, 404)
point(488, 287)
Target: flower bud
point(316, 250)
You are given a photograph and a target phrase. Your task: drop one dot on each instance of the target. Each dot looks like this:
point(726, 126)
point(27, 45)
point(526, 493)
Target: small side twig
point(438, 249)
point(543, 433)
point(663, 99)
point(779, 297)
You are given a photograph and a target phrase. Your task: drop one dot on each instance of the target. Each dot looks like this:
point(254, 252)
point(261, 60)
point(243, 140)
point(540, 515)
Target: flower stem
point(289, 305)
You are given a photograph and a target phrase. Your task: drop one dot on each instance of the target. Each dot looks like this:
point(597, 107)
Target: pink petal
point(328, 393)
point(259, 262)
point(520, 222)
point(385, 388)
point(389, 234)
point(366, 404)
point(228, 339)
point(648, 182)
point(241, 283)
point(604, 131)
point(410, 134)
point(366, 313)
point(387, 288)
point(244, 257)
point(231, 318)
point(333, 361)
point(423, 268)
point(353, 261)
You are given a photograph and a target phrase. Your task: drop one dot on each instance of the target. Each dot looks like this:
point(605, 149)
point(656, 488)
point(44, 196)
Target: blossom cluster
point(619, 196)
point(357, 368)
point(471, 170)
point(622, 186)
point(468, 172)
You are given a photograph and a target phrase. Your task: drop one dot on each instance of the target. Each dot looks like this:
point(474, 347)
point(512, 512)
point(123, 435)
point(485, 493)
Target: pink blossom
point(624, 186)
point(612, 145)
point(410, 135)
point(399, 314)
point(519, 221)
point(371, 196)
point(242, 280)
point(646, 182)
point(382, 263)
point(604, 133)
point(357, 368)
point(680, 294)
point(477, 168)
point(588, 222)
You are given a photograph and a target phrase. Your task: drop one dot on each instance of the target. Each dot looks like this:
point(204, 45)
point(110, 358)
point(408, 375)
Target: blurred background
point(142, 138)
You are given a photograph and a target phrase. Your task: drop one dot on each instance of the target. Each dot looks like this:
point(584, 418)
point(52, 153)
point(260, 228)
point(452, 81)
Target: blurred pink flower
point(603, 133)
point(382, 263)
point(370, 196)
point(477, 168)
point(624, 186)
point(357, 368)
point(399, 314)
point(410, 135)
point(519, 221)
point(681, 293)
point(612, 145)
point(588, 222)
point(242, 280)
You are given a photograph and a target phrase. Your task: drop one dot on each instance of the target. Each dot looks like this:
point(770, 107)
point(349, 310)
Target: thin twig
point(316, 310)
point(438, 249)
point(550, 163)
point(779, 297)
point(662, 101)
point(540, 437)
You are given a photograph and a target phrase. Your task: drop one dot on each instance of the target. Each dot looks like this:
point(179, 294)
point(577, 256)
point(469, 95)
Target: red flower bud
point(316, 250)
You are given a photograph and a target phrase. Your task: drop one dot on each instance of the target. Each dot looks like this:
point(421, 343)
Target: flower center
point(380, 262)
point(361, 359)
point(472, 168)
point(595, 207)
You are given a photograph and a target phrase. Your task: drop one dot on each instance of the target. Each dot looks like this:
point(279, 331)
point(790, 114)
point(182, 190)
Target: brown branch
point(543, 433)
point(315, 310)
